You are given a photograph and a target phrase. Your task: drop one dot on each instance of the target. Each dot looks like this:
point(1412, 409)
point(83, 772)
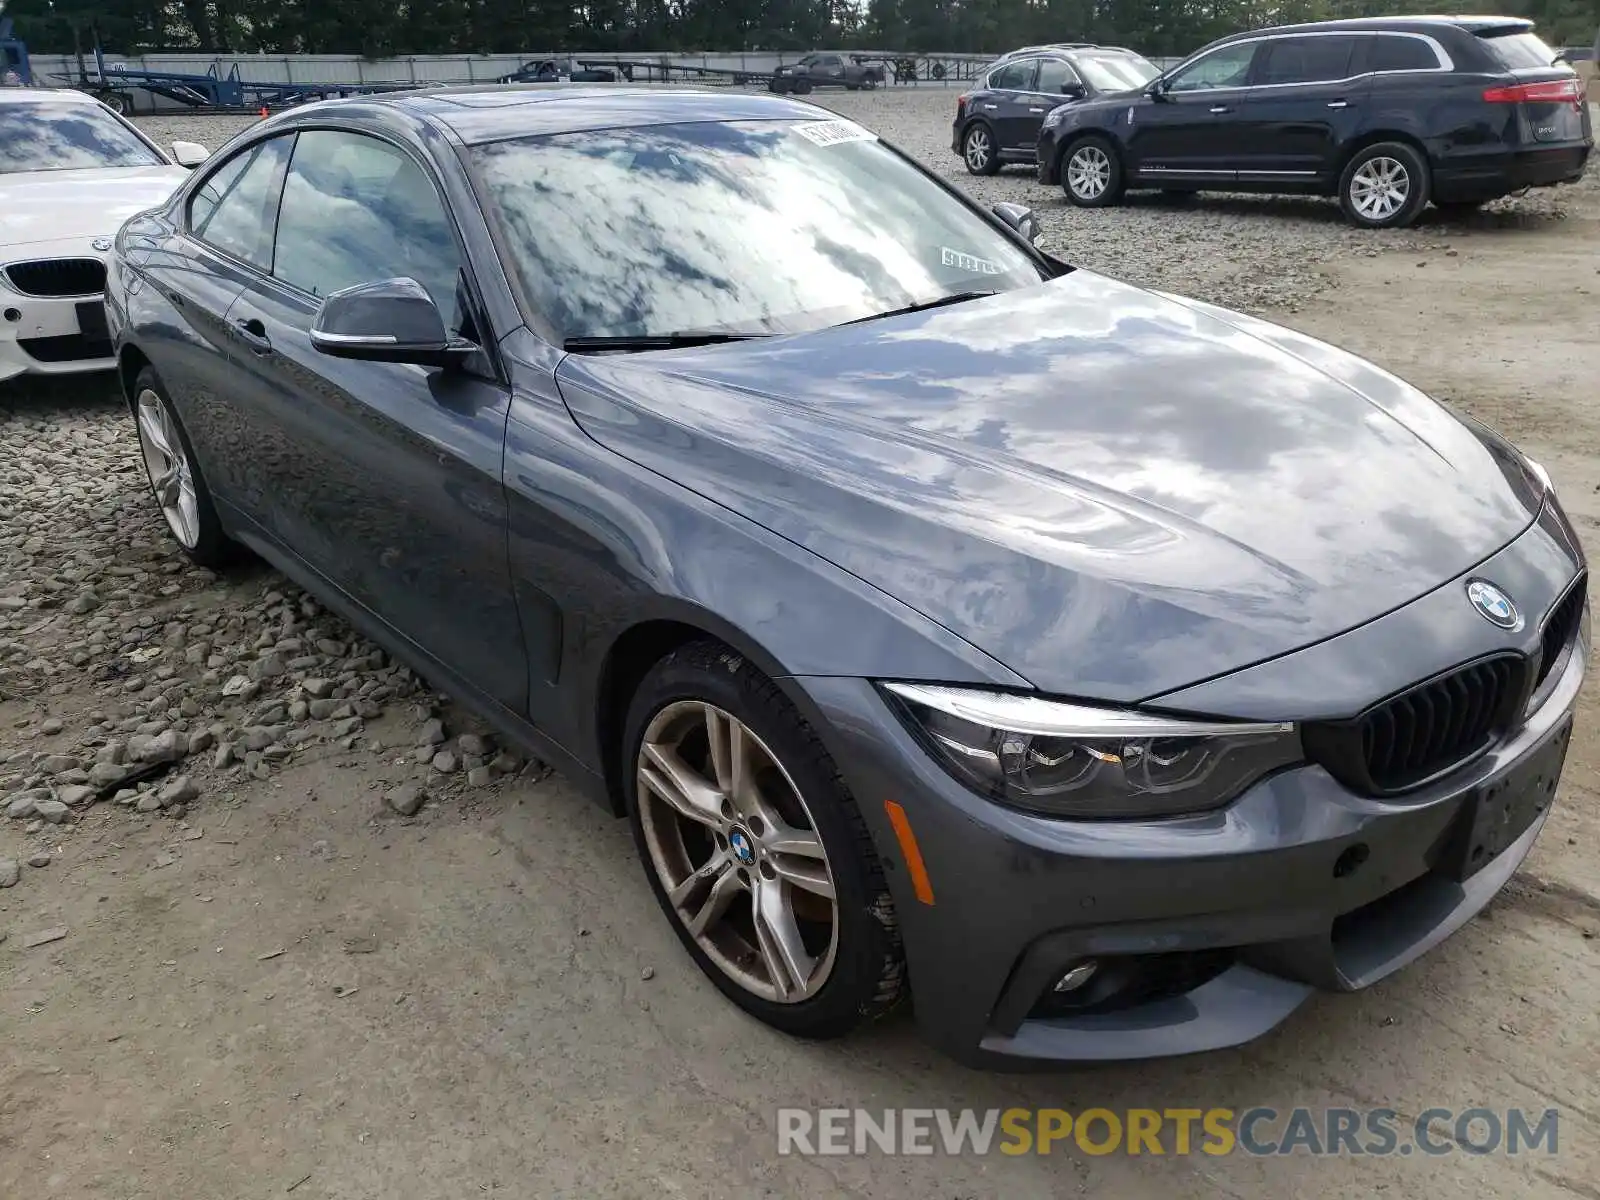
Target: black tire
point(852, 87)
point(777, 86)
point(801, 87)
point(1078, 191)
point(867, 976)
point(1382, 159)
point(978, 135)
point(212, 547)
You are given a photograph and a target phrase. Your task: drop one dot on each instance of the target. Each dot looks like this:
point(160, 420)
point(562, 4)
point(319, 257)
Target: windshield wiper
point(953, 298)
point(658, 341)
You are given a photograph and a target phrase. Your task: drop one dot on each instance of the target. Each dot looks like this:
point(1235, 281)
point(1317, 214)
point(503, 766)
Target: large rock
point(51, 810)
point(406, 799)
point(10, 872)
point(106, 774)
point(163, 747)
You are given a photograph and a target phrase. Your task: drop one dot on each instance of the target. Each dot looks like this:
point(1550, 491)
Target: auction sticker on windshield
point(970, 263)
point(831, 133)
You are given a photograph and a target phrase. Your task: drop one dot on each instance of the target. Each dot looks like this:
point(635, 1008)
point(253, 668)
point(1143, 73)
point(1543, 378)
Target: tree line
point(389, 28)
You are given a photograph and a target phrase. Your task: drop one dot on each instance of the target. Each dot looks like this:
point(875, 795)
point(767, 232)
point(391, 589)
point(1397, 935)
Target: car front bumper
point(1300, 885)
point(51, 335)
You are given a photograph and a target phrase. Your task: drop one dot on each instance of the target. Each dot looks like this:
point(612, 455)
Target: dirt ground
point(292, 987)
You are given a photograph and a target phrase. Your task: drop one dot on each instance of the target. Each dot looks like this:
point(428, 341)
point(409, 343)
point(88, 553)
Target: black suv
point(1387, 114)
point(998, 121)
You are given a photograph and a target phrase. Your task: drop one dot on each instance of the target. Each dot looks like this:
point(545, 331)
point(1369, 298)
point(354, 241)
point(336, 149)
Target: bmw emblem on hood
point(1494, 605)
point(101, 244)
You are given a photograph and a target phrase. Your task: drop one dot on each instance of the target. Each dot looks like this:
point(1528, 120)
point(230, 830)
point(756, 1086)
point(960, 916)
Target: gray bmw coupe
point(1111, 669)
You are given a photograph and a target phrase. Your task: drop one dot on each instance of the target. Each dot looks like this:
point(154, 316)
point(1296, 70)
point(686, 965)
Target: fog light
point(13, 315)
point(1077, 976)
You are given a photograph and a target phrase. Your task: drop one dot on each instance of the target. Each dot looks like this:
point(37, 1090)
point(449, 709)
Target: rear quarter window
point(1517, 50)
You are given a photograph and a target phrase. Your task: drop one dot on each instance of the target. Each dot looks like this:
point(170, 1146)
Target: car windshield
point(61, 137)
point(1115, 72)
point(734, 227)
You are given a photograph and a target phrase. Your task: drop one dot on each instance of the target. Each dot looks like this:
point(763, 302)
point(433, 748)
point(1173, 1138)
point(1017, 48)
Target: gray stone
point(51, 726)
point(259, 737)
point(112, 752)
point(75, 795)
point(346, 727)
point(406, 799)
point(105, 774)
point(317, 689)
point(269, 666)
point(200, 741)
point(471, 743)
point(56, 764)
point(51, 810)
point(506, 763)
point(164, 747)
point(431, 734)
point(10, 872)
point(149, 802)
point(480, 777)
point(224, 756)
point(84, 602)
point(321, 710)
point(179, 790)
point(21, 807)
point(330, 647)
point(445, 762)
point(40, 860)
point(299, 710)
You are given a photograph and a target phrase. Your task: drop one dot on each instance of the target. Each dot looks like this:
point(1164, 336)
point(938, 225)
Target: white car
point(71, 172)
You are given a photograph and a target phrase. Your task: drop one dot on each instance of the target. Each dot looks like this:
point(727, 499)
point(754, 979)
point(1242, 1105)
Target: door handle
point(254, 334)
point(1338, 104)
point(1036, 110)
point(1220, 108)
point(991, 107)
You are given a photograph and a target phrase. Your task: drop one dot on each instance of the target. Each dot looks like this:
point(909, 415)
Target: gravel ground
point(217, 794)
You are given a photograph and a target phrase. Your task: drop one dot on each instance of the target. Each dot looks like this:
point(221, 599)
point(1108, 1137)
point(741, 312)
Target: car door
point(1306, 100)
point(829, 70)
point(386, 477)
point(1188, 131)
point(1054, 84)
point(222, 241)
point(1007, 104)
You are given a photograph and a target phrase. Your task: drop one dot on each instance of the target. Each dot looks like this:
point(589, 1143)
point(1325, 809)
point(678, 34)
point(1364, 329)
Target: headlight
point(1070, 760)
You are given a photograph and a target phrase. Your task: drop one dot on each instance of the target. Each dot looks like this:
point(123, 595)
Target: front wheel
point(175, 479)
point(1384, 186)
point(755, 848)
point(977, 150)
point(1091, 173)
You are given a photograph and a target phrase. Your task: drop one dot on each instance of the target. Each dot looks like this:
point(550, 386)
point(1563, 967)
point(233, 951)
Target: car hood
point(1111, 491)
point(47, 206)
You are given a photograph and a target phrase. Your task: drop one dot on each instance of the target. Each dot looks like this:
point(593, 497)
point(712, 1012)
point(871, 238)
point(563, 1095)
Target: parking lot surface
point(256, 975)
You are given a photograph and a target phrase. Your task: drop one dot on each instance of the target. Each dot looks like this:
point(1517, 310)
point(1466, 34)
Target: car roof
point(493, 112)
point(1469, 24)
point(45, 95)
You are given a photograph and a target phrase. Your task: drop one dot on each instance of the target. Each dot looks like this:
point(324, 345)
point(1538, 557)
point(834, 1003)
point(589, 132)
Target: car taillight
point(1551, 91)
point(961, 105)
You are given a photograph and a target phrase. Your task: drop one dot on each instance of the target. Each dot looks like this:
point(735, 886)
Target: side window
point(1391, 52)
point(1305, 60)
point(1013, 77)
point(1225, 68)
point(833, 60)
point(357, 210)
point(1054, 76)
point(234, 208)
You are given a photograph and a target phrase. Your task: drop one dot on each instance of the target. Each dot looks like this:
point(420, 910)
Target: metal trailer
point(14, 68)
point(115, 84)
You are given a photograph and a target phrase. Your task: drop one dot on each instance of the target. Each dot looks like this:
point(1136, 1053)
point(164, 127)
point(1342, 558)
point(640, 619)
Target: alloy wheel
point(1380, 188)
point(171, 477)
point(978, 148)
point(1089, 172)
point(736, 851)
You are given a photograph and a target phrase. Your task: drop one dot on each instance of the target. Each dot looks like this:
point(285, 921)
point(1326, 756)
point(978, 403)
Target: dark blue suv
point(998, 121)
point(1386, 114)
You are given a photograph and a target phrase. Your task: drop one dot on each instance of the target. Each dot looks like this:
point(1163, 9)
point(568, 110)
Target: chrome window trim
point(1440, 54)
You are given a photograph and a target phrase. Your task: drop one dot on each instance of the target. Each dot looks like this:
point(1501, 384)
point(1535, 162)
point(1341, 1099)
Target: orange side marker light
point(920, 884)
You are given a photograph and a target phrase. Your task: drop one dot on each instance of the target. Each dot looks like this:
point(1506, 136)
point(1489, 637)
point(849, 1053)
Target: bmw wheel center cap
point(741, 845)
point(1493, 605)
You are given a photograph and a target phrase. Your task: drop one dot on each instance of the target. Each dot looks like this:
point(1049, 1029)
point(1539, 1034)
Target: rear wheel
point(1384, 186)
point(755, 848)
point(978, 151)
point(1091, 173)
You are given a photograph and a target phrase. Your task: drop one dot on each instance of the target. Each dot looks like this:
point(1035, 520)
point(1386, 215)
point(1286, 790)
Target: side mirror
point(1074, 91)
point(189, 154)
point(1020, 217)
point(1157, 89)
point(394, 320)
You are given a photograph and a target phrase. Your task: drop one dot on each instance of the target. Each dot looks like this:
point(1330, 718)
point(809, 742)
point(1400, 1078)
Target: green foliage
point(380, 28)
